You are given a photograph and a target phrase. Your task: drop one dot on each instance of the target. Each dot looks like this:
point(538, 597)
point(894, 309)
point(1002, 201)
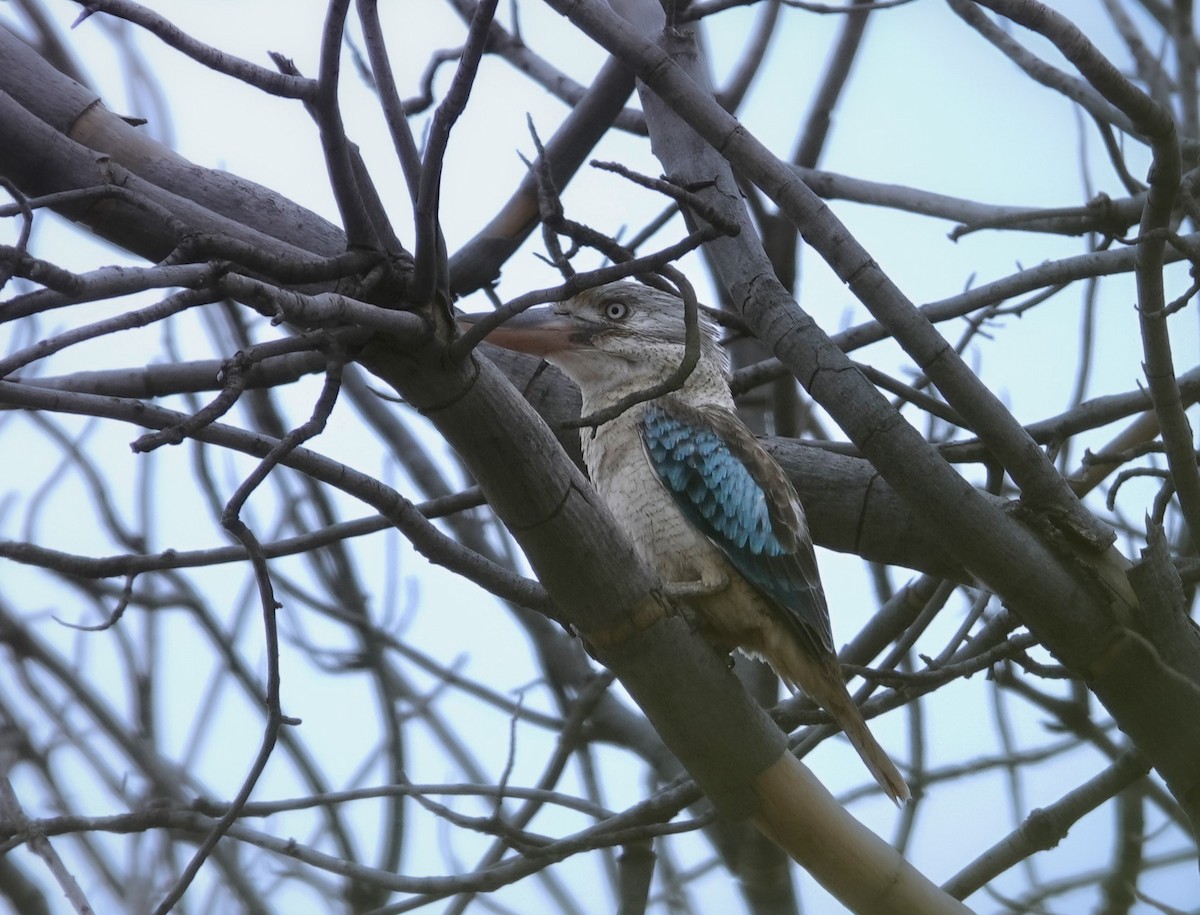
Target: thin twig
point(429, 273)
point(275, 717)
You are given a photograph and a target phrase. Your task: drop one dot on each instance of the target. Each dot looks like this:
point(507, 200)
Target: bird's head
point(616, 339)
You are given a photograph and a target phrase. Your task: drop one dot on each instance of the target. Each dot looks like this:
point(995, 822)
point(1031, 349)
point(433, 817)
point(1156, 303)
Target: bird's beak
point(537, 331)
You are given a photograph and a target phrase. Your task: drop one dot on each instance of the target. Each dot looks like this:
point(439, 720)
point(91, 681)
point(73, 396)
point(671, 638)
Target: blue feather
point(717, 475)
point(694, 462)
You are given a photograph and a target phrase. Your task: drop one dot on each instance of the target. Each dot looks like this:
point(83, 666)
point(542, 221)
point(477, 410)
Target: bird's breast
point(621, 472)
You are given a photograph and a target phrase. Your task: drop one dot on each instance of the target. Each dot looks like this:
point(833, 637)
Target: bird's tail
point(821, 679)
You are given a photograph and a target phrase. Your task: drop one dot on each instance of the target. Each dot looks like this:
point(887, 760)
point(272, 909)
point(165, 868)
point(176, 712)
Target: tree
point(135, 678)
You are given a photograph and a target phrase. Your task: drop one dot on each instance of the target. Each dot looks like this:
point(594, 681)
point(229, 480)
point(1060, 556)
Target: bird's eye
point(616, 311)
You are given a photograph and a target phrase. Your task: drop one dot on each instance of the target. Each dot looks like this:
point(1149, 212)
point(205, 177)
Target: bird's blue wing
point(727, 485)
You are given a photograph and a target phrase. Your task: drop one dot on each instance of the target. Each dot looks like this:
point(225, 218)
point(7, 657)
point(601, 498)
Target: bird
point(698, 496)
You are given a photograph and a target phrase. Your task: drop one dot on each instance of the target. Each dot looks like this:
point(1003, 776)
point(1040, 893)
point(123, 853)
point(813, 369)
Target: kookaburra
point(699, 497)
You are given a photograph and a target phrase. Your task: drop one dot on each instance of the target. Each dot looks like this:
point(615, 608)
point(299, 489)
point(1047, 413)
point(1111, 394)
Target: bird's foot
point(701, 588)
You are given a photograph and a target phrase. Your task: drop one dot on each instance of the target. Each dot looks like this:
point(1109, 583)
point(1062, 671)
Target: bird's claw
point(701, 588)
